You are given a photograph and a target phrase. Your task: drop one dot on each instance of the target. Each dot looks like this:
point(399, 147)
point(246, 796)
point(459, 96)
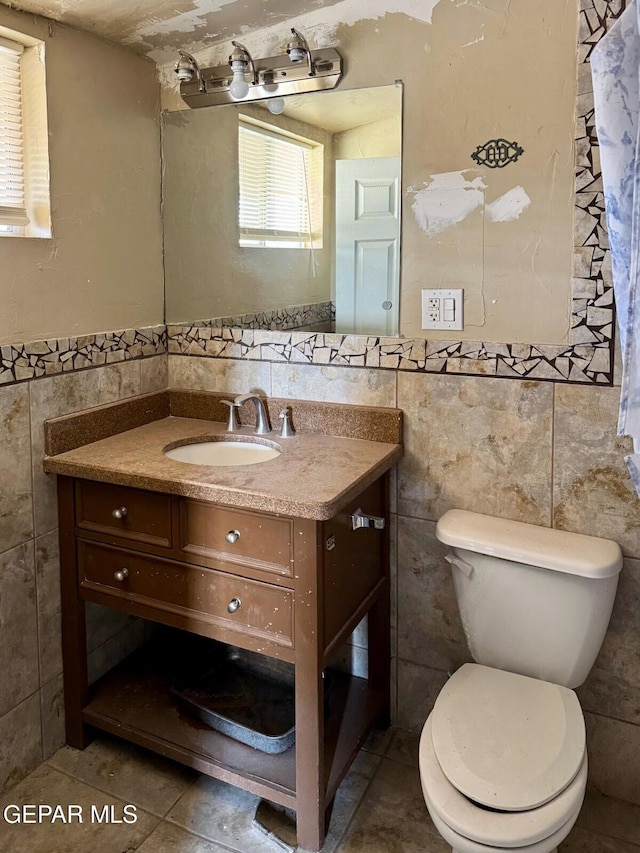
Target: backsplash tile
point(35, 359)
point(613, 685)
point(20, 742)
point(234, 377)
point(430, 631)
point(18, 618)
point(592, 491)
point(476, 444)
point(16, 514)
point(59, 395)
point(48, 597)
point(614, 757)
point(360, 386)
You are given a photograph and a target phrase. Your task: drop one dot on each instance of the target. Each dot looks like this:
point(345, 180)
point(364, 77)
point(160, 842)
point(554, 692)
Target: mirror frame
point(587, 358)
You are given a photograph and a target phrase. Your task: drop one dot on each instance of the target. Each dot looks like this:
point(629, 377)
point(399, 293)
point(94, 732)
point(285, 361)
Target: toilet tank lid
point(559, 550)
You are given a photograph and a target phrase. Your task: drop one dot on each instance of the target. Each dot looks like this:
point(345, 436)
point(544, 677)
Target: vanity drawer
point(261, 541)
point(234, 603)
point(127, 513)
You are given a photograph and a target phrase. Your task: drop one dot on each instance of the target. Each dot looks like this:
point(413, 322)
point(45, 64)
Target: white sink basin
point(223, 452)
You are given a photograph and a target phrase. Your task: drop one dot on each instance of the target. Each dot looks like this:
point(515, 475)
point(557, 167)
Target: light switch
point(448, 310)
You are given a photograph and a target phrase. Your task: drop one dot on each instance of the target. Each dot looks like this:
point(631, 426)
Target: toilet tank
point(534, 601)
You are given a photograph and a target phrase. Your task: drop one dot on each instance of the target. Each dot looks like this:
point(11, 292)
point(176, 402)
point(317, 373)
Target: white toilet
point(503, 761)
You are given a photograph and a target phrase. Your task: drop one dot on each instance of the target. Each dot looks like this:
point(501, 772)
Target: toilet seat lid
point(507, 741)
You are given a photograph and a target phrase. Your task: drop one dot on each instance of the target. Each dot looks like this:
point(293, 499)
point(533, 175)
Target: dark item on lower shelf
point(245, 696)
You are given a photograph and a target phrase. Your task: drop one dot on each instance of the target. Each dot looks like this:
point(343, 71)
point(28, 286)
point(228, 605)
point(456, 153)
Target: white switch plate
point(442, 309)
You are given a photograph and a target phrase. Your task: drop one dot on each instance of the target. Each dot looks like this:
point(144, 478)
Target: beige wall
point(474, 73)
point(207, 273)
point(381, 138)
point(103, 268)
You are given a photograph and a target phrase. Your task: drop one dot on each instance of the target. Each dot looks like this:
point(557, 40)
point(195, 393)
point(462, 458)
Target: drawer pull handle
point(234, 604)
point(232, 536)
point(120, 513)
point(121, 575)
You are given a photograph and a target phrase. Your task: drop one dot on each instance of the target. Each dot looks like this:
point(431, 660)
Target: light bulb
point(275, 106)
point(239, 87)
point(297, 54)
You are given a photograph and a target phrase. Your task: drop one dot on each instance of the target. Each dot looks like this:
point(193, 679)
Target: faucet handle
point(286, 430)
point(234, 421)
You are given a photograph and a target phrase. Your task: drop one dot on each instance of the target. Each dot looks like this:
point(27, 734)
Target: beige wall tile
point(611, 817)
point(104, 623)
point(592, 491)
point(475, 443)
point(52, 708)
point(393, 583)
point(581, 841)
point(58, 395)
point(18, 621)
point(20, 743)
point(48, 587)
point(219, 374)
point(116, 649)
point(613, 686)
point(356, 385)
point(418, 688)
point(429, 628)
point(154, 374)
point(16, 513)
point(614, 757)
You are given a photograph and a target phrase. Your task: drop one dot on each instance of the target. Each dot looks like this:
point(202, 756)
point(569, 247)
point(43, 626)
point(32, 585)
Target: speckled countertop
point(314, 477)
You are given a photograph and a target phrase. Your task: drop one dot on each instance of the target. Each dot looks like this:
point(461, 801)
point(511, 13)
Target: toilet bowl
point(503, 760)
point(472, 827)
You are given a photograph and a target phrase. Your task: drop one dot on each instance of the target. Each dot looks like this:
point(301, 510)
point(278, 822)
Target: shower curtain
point(615, 68)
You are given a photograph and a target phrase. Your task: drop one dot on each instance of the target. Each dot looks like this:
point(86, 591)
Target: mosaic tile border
point(279, 319)
point(23, 362)
point(588, 358)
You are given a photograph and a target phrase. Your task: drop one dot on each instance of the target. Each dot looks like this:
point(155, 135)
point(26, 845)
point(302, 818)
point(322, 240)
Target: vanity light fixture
point(299, 70)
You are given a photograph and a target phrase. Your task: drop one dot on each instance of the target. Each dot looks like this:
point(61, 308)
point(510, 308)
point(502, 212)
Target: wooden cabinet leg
point(74, 627)
point(310, 812)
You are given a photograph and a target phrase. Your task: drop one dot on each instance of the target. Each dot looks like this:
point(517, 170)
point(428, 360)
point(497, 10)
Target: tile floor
point(379, 807)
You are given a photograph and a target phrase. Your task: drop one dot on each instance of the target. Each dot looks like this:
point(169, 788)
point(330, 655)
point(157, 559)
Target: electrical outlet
point(442, 309)
point(433, 310)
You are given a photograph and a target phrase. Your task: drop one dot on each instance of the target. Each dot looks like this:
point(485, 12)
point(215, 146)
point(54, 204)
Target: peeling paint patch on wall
point(446, 200)
point(450, 197)
point(509, 206)
point(319, 25)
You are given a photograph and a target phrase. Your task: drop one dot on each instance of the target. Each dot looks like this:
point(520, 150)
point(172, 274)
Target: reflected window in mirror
point(280, 187)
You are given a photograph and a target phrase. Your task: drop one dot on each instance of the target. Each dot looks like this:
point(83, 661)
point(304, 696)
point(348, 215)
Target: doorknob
point(387, 305)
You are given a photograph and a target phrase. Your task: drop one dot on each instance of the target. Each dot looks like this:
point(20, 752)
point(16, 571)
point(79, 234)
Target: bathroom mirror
point(285, 214)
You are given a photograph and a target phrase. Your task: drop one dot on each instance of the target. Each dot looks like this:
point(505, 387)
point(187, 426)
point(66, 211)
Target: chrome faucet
point(262, 418)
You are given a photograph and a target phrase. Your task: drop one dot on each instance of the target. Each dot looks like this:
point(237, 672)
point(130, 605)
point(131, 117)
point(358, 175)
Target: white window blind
point(12, 195)
point(279, 186)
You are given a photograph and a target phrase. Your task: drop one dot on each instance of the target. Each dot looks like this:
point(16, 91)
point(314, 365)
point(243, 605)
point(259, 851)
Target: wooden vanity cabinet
point(289, 588)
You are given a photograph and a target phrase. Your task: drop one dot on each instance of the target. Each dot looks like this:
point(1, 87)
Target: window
point(280, 188)
point(24, 155)
point(12, 202)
